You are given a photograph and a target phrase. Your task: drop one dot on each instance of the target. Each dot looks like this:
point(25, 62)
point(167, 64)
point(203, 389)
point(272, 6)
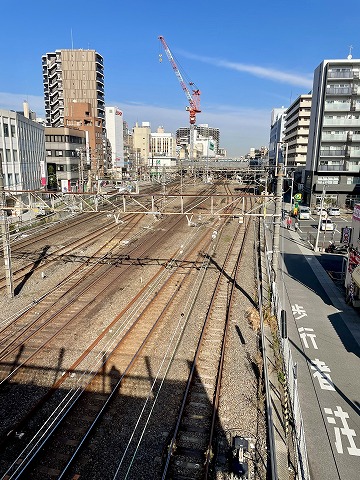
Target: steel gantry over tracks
point(206, 204)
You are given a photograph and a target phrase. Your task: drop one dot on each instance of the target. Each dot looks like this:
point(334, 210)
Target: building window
point(6, 130)
point(328, 180)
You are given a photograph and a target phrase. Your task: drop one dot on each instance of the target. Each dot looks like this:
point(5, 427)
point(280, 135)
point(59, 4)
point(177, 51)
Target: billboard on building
point(356, 214)
point(43, 173)
point(65, 186)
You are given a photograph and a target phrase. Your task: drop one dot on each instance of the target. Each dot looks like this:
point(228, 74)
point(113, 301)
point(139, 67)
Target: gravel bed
point(241, 409)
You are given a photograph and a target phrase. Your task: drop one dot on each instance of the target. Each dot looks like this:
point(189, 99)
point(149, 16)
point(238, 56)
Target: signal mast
point(193, 98)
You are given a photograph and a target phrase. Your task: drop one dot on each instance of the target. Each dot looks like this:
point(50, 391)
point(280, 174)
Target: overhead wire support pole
point(5, 237)
point(277, 222)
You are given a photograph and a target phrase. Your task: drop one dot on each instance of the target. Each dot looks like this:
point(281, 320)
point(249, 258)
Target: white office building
point(22, 152)
point(115, 134)
point(162, 144)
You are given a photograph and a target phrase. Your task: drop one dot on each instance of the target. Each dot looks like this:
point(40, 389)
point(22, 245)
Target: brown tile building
point(74, 97)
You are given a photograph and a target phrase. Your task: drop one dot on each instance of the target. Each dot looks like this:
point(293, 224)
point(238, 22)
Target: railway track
point(191, 448)
point(135, 338)
point(108, 377)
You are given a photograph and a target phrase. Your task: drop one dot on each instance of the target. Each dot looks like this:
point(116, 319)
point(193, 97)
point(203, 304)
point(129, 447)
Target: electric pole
point(316, 247)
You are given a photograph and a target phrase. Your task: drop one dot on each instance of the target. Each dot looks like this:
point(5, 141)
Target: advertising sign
point(345, 235)
point(356, 214)
point(43, 173)
point(65, 186)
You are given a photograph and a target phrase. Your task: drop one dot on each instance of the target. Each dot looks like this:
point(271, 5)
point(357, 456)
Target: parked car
point(319, 211)
point(334, 211)
point(304, 213)
point(326, 224)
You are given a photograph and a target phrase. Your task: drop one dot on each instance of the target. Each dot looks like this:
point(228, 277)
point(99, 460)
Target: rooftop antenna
point(72, 40)
point(349, 57)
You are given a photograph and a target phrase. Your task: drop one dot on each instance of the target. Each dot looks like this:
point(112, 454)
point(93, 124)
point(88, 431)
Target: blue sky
point(246, 57)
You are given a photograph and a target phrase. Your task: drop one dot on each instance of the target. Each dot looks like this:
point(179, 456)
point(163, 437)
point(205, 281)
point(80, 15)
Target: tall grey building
point(72, 75)
point(202, 130)
point(276, 134)
point(332, 162)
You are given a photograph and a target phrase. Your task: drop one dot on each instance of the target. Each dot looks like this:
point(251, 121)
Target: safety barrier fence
point(290, 367)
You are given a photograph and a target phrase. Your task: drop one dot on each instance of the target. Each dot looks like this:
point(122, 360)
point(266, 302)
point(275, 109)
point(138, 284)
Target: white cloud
point(272, 74)
point(240, 129)
point(14, 101)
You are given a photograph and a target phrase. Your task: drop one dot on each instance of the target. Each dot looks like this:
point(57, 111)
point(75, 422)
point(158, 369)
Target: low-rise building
point(22, 155)
point(67, 159)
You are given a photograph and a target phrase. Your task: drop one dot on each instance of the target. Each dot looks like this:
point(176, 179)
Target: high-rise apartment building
point(74, 96)
point(333, 156)
point(296, 131)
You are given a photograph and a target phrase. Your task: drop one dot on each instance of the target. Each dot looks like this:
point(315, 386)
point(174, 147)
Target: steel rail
point(77, 393)
point(171, 448)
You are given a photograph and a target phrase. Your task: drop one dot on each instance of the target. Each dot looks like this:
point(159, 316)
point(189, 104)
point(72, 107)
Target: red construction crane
point(194, 98)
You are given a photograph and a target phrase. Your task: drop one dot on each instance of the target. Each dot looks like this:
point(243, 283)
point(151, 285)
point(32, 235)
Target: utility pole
point(5, 237)
point(316, 247)
point(81, 170)
point(265, 192)
point(291, 190)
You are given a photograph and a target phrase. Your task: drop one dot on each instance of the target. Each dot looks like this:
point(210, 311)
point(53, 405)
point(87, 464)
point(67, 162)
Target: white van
point(334, 211)
point(326, 224)
point(304, 213)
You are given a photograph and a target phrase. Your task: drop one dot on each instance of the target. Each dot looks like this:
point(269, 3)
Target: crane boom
point(194, 98)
